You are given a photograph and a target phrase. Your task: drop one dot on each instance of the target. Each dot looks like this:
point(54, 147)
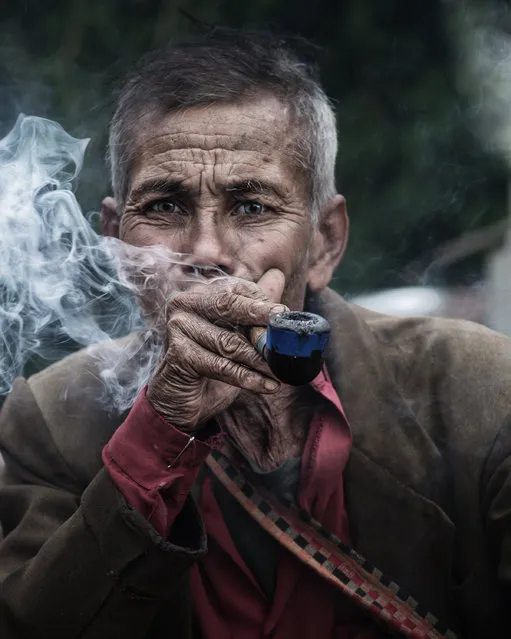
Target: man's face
point(218, 184)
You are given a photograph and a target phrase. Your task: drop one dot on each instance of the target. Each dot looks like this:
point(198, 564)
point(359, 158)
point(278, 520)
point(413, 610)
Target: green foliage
point(412, 171)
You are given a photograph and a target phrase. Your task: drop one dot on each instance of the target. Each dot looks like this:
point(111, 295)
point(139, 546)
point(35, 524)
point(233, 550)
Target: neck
point(270, 429)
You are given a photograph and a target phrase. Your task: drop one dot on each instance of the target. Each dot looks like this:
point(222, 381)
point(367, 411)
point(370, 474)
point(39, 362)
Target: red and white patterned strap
point(325, 553)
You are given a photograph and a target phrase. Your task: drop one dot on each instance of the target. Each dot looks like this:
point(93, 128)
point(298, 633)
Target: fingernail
point(270, 385)
point(280, 309)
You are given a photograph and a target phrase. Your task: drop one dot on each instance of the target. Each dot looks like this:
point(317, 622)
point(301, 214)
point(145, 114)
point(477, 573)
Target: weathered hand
point(205, 364)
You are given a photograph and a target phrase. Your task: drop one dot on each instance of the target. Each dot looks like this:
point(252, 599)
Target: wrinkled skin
point(218, 184)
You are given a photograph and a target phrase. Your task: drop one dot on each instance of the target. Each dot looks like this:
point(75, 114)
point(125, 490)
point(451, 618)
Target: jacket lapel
point(394, 477)
point(383, 424)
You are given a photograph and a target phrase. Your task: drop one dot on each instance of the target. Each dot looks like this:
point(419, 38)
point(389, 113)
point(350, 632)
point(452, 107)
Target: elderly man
point(196, 514)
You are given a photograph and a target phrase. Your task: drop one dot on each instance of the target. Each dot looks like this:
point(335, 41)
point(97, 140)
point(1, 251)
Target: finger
point(237, 286)
point(272, 283)
point(225, 343)
point(234, 285)
point(224, 307)
point(270, 286)
point(201, 363)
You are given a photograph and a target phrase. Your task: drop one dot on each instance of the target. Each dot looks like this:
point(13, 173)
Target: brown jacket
point(428, 488)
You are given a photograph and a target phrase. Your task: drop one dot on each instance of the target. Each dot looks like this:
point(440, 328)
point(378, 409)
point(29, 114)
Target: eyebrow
point(253, 186)
point(157, 187)
point(165, 188)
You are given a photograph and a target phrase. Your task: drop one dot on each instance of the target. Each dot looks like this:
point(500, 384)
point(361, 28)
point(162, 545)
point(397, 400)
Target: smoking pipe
point(293, 345)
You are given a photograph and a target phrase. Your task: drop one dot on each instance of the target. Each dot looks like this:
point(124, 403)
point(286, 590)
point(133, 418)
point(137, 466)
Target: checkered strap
point(325, 553)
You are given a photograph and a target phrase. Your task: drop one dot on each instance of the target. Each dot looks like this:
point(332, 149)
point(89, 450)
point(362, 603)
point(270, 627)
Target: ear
point(109, 219)
point(328, 244)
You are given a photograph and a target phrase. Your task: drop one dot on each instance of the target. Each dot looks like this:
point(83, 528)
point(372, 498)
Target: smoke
point(63, 285)
point(482, 39)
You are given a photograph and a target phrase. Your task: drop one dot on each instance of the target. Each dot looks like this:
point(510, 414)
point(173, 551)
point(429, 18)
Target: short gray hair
point(227, 66)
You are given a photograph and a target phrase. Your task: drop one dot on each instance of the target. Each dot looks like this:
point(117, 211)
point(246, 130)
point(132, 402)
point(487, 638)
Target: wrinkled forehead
point(258, 133)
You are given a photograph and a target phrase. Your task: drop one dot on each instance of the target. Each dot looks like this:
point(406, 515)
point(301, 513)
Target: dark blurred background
point(415, 175)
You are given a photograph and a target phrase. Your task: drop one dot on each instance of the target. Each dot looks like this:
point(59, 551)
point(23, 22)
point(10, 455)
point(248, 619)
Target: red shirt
point(228, 602)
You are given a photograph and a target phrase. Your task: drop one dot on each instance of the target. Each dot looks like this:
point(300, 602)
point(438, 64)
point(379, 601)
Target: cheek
point(141, 232)
point(291, 253)
point(285, 250)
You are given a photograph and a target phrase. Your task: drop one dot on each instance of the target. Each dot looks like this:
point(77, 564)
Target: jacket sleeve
point(78, 561)
point(497, 507)
point(154, 465)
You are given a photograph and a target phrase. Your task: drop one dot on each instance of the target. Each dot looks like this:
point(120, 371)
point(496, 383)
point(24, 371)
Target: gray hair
point(228, 66)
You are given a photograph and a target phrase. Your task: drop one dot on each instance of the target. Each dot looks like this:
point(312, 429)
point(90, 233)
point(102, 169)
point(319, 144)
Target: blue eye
point(250, 208)
point(164, 206)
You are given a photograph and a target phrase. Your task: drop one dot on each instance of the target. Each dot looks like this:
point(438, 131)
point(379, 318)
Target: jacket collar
point(395, 471)
point(384, 427)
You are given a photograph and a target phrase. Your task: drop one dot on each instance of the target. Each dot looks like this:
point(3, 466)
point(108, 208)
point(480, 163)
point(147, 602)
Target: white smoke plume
point(482, 46)
point(61, 282)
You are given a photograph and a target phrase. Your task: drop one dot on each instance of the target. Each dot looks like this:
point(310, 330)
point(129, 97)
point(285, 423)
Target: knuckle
point(229, 343)
point(250, 380)
point(177, 320)
point(224, 367)
point(222, 303)
point(174, 302)
point(243, 286)
point(259, 294)
point(245, 376)
point(184, 300)
point(171, 308)
point(251, 289)
point(246, 311)
point(257, 311)
point(230, 285)
point(223, 285)
point(174, 344)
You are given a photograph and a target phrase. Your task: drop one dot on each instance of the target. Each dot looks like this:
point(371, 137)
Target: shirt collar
point(323, 385)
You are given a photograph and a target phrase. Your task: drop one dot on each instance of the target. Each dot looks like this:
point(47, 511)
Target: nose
point(209, 248)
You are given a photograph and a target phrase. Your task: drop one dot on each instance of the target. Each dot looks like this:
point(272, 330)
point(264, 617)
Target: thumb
point(272, 283)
